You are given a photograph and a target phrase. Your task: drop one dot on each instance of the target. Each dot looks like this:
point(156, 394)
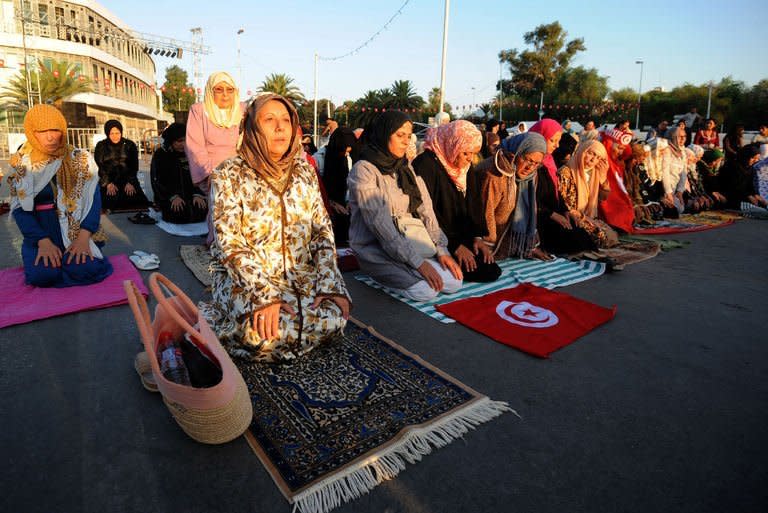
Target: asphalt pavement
point(662, 409)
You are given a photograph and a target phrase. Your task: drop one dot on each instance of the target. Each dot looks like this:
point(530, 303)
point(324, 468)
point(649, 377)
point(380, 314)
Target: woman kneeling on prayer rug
point(56, 203)
point(388, 201)
point(277, 291)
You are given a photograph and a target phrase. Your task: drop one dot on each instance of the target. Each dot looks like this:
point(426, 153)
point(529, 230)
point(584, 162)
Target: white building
point(103, 51)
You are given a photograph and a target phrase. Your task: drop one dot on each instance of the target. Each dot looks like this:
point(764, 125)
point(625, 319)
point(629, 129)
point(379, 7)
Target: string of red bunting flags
point(551, 106)
point(561, 106)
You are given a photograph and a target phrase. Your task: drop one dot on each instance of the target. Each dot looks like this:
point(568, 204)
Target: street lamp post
point(639, 95)
point(445, 53)
point(239, 66)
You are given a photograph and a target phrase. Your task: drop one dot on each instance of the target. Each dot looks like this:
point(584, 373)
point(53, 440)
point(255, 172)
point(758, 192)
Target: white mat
point(180, 230)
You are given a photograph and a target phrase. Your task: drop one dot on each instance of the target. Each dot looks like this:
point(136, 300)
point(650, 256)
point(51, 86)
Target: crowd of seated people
point(420, 224)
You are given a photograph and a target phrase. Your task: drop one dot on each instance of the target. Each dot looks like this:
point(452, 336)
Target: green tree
point(178, 94)
point(578, 84)
point(58, 81)
point(367, 107)
point(433, 102)
point(306, 111)
point(282, 84)
point(403, 96)
point(538, 68)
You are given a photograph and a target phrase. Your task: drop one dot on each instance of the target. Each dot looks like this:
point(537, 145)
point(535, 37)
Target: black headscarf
point(746, 153)
point(336, 167)
point(564, 150)
point(376, 152)
point(173, 133)
point(109, 125)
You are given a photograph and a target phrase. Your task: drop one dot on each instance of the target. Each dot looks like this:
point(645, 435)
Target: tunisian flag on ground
point(530, 318)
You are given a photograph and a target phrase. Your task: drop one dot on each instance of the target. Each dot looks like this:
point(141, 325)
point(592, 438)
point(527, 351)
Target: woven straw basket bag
point(212, 415)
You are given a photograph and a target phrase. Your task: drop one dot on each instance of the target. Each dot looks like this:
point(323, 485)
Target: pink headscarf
point(448, 142)
point(548, 128)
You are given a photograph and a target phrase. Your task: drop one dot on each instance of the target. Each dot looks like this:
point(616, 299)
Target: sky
point(692, 41)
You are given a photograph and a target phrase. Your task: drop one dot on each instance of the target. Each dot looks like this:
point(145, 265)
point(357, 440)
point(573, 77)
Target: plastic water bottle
point(171, 360)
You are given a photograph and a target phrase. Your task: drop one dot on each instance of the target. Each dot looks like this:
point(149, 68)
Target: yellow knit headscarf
point(40, 118)
point(223, 118)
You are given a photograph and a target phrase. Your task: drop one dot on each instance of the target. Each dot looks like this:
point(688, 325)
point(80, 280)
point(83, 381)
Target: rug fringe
point(364, 477)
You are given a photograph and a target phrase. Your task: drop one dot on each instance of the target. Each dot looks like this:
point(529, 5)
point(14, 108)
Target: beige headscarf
point(254, 149)
point(587, 193)
point(222, 118)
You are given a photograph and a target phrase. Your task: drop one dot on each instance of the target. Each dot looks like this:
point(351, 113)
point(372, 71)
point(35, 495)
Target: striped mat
point(557, 273)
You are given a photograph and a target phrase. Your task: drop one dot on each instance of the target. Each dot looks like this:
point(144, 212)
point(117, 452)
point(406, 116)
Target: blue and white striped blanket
point(557, 273)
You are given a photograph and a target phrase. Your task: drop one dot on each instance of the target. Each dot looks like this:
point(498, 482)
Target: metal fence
point(86, 138)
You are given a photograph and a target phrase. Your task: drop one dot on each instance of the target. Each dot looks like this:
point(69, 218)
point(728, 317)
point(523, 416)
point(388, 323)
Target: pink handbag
point(212, 415)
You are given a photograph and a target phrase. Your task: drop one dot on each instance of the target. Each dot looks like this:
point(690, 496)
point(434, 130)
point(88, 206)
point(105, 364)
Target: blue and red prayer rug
point(347, 416)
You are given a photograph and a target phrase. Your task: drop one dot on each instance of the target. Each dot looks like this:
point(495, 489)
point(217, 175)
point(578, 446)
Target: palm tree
point(433, 104)
point(404, 96)
point(57, 83)
point(282, 84)
point(367, 107)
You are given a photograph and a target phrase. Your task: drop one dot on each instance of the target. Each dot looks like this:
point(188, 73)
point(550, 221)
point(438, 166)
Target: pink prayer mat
point(20, 303)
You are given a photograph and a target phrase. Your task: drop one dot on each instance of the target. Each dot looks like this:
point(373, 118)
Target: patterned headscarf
point(587, 193)
point(654, 164)
point(671, 135)
point(448, 142)
point(222, 118)
point(254, 148)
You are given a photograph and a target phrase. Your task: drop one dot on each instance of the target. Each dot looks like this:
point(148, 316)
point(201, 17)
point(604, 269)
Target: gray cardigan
point(382, 251)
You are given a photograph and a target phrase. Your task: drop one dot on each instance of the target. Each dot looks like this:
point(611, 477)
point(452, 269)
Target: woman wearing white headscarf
point(675, 173)
point(212, 128)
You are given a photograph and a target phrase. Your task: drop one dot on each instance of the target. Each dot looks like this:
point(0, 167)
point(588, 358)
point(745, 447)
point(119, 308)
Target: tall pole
point(501, 89)
point(239, 66)
point(709, 99)
point(639, 96)
point(314, 130)
point(445, 53)
point(26, 61)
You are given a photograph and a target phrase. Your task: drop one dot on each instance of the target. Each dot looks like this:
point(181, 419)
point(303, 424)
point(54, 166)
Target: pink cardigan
point(207, 145)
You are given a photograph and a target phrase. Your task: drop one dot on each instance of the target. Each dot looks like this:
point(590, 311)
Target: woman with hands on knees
point(448, 153)
point(56, 203)
point(387, 201)
point(277, 291)
point(118, 161)
point(506, 187)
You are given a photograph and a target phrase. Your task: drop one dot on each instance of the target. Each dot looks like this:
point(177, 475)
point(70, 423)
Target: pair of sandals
point(141, 218)
point(145, 261)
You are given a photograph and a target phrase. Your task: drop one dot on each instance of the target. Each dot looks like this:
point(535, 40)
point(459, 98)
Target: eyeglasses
point(222, 90)
point(528, 163)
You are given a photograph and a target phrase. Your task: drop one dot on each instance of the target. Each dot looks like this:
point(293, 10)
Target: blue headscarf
point(520, 237)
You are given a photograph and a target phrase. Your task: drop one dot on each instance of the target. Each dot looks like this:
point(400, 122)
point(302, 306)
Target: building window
point(61, 30)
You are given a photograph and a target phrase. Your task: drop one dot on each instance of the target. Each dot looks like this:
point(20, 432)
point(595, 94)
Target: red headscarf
point(618, 209)
point(548, 128)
